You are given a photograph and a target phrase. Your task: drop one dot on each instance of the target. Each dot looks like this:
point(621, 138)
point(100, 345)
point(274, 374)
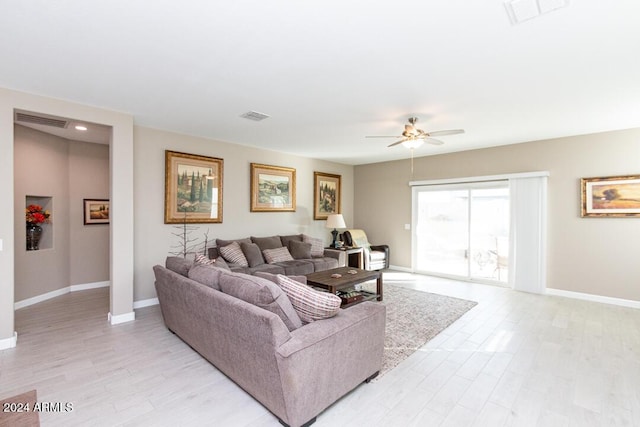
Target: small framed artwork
point(96, 211)
point(326, 194)
point(192, 189)
point(613, 196)
point(273, 188)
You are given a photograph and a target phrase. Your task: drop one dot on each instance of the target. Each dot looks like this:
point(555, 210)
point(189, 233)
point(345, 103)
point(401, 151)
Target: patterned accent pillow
point(277, 255)
point(214, 262)
point(310, 304)
point(317, 245)
point(202, 259)
point(233, 253)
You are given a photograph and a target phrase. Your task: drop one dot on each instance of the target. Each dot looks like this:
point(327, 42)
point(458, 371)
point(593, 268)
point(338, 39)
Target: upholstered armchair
point(375, 257)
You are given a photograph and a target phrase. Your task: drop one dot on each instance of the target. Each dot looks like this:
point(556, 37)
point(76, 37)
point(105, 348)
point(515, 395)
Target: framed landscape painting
point(273, 188)
point(613, 196)
point(193, 188)
point(326, 194)
point(96, 211)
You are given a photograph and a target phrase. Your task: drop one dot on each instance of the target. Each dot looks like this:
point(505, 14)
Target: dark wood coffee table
point(323, 279)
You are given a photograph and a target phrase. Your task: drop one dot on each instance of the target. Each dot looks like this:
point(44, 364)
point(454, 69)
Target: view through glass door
point(462, 230)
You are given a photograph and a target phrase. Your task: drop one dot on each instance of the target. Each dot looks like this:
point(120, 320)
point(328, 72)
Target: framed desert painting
point(193, 188)
point(273, 188)
point(613, 196)
point(96, 211)
point(326, 194)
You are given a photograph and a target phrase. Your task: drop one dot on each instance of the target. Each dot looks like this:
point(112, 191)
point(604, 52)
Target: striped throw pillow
point(277, 255)
point(233, 253)
point(202, 259)
point(317, 245)
point(310, 304)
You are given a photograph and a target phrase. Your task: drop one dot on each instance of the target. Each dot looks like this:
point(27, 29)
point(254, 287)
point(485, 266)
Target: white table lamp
point(335, 221)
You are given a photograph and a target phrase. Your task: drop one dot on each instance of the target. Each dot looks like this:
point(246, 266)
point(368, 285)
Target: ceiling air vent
point(39, 120)
point(255, 116)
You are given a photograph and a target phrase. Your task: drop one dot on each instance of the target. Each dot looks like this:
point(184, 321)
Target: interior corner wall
point(41, 169)
point(155, 240)
point(595, 256)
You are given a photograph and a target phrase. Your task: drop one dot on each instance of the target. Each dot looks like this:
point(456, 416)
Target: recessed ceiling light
point(80, 127)
point(255, 116)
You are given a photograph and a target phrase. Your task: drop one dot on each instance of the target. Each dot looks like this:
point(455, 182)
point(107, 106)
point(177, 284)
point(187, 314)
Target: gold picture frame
point(613, 196)
point(273, 188)
point(193, 188)
point(327, 194)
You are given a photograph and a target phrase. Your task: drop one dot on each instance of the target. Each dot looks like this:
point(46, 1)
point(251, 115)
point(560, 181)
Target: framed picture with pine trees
point(326, 194)
point(193, 188)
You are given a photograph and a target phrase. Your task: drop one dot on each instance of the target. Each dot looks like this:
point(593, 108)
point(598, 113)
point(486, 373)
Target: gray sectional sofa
point(305, 260)
point(237, 322)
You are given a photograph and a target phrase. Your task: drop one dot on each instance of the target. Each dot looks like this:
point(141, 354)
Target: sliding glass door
point(462, 230)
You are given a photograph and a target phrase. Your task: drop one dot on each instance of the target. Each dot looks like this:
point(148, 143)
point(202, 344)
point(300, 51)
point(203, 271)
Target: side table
point(353, 257)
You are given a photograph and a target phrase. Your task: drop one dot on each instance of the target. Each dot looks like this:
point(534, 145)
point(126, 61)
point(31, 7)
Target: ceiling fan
point(412, 137)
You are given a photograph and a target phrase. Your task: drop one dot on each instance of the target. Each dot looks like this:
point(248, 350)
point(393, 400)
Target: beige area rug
point(414, 318)
point(18, 411)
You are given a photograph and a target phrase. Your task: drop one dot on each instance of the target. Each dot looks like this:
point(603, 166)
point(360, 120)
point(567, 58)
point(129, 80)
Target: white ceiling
point(331, 72)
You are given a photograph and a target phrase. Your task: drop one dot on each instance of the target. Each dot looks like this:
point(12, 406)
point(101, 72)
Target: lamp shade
point(335, 221)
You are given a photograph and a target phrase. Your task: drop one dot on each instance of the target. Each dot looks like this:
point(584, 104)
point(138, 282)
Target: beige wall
point(154, 239)
point(67, 171)
point(588, 255)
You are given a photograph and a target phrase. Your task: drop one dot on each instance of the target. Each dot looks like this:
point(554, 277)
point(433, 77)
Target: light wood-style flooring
point(515, 359)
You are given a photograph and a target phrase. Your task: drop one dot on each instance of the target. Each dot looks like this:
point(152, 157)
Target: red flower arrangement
point(36, 215)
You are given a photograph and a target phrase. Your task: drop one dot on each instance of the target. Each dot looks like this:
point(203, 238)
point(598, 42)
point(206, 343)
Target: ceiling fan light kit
point(412, 137)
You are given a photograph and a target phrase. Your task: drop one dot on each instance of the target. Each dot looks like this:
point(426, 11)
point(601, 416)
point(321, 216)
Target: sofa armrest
point(341, 256)
point(326, 359)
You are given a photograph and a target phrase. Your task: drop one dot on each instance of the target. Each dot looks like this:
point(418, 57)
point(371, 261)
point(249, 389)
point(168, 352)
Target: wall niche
point(42, 237)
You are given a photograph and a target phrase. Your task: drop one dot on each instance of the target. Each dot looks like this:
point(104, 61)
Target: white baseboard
point(87, 286)
point(121, 318)
point(594, 298)
point(403, 269)
point(9, 342)
point(40, 298)
point(73, 288)
point(145, 303)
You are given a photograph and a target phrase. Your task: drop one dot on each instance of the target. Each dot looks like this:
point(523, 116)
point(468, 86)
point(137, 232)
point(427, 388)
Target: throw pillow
point(277, 255)
point(286, 239)
point(310, 304)
point(207, 274)
point(233, 253)
point(274, 277)
point(215, 262)
point(317, 245)
point(261, 293)
point(252, 253)
point(300, 250)
point(178, 265)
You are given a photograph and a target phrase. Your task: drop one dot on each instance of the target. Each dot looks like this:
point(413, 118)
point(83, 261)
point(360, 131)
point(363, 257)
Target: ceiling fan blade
point(433, 141)
point(397, 142)
point(383, 136)
point(445, 132)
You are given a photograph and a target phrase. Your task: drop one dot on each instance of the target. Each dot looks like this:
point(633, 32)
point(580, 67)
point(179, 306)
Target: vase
point(34, 232)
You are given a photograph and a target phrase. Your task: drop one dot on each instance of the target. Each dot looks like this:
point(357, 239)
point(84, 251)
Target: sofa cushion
point(277, 255)
point(274, 277)
point(265, 243)
point(299, 250)
point(252, 253)
point(178, 265)
point(297, 267)
point(317, 245)
point(324, 263)
point(294, 237)
point(262, 293)
point(233, 253)
point(220, 242)
point(310, 304)
point(207, 274)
